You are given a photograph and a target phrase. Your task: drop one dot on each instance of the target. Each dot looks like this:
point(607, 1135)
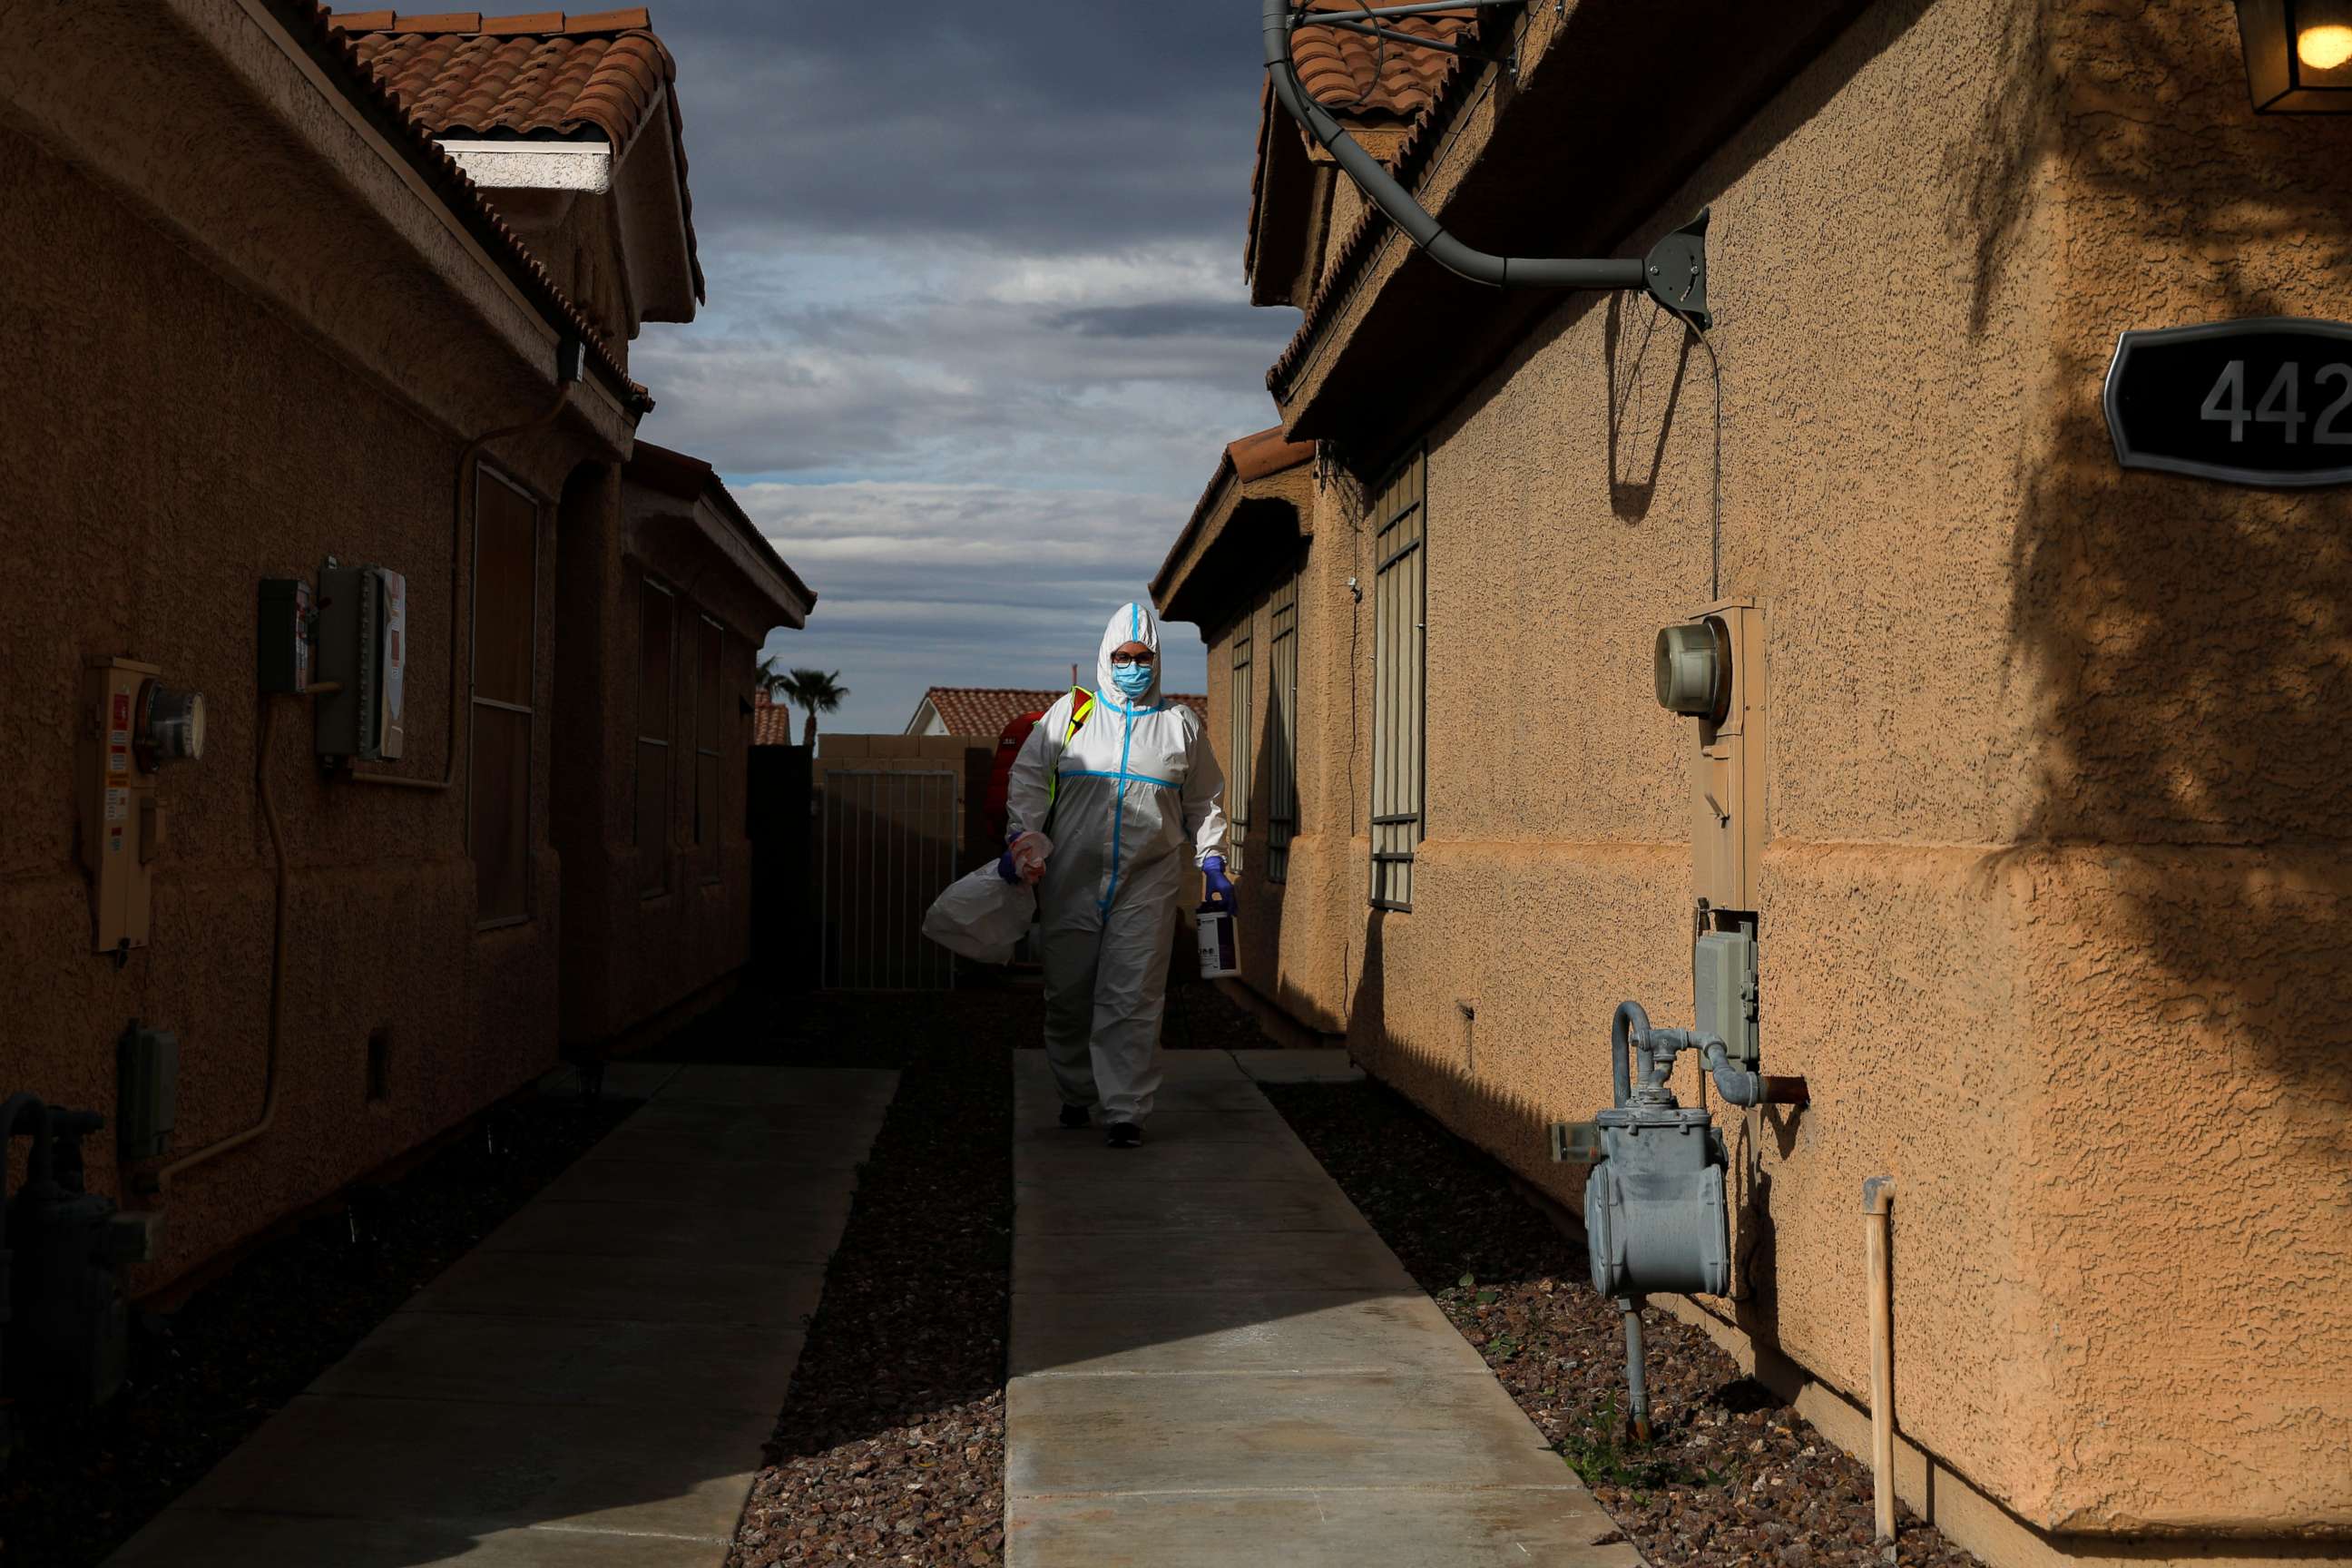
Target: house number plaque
point(2265, 402)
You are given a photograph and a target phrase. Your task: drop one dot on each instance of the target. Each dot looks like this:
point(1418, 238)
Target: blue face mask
point(1133, 680)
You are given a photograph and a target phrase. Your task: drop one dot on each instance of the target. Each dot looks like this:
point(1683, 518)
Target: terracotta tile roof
point(1267, 452)
point(1447, 92)
point(1362, 80)
point(692, 478)
point(771, 723)
point(1354, 76)
point(981, 712)
point(1255, 457)
point(332, 52)
point(548, 73)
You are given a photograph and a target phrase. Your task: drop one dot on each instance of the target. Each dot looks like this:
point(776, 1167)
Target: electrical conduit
point(1385, 193)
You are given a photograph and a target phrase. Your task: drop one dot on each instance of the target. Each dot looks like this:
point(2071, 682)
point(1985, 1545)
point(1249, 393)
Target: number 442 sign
point(2264, 401)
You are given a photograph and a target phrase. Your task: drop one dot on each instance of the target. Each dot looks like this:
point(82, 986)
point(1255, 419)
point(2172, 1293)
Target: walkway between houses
point(590, 1387)
point(1215, 1360)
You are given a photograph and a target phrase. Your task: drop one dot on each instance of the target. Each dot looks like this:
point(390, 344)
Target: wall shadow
point(1632, 485)
point(2185, 645)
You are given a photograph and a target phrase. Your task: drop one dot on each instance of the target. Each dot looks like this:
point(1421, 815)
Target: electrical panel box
point(1722, 985)
point(118, 815)
point(282, 638)
point(362, 635)
point(1727, 771)
point(147, 1091)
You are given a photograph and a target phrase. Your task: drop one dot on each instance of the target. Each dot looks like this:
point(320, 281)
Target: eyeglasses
point(1121, 660)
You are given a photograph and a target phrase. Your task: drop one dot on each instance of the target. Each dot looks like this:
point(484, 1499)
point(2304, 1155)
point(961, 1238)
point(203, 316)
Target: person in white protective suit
point(1123, 782)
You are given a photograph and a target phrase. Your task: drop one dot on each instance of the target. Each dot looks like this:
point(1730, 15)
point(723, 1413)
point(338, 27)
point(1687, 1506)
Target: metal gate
point(887, 847)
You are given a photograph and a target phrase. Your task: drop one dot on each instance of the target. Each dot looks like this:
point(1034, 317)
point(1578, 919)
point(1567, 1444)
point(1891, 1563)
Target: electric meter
point(1693, 668)
point(171, 726)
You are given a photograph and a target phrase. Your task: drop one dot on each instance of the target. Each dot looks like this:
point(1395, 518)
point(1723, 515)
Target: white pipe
point(1877, 1223)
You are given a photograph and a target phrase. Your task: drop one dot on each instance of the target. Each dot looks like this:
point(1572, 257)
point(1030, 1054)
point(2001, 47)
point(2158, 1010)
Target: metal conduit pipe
point(1653, 1051)
point(1878, 1224)
point(1674, 272)
point(155, 1182)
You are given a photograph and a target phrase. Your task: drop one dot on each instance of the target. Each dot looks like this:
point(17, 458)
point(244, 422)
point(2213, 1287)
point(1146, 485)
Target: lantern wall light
point(2298, 55)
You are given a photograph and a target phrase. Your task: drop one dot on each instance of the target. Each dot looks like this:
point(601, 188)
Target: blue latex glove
point(1005, 867)
point(1220, 886)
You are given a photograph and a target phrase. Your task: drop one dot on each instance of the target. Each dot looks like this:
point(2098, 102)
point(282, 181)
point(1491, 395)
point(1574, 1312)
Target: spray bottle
point(1221, 957)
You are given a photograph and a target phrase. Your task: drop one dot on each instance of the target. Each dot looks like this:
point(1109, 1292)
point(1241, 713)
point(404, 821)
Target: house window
point(1398, 650)
point(1282, 713)
point(656, 684)
point(711, 642)
point(1238, 766)
point(505, 642)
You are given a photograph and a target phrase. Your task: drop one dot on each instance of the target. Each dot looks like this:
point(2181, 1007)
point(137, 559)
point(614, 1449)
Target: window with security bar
point(1399, 514)
point(1282, 729)
point(710, 645)
point(1238, 757)
point(656, 694)
point(506, 642)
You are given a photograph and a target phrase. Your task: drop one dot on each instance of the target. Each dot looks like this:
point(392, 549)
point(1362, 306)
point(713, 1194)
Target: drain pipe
point(1878, 1222)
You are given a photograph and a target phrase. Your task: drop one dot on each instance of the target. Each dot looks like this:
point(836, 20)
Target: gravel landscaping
point(206, 1375)
point(1733, 1476)
point(891, 1445)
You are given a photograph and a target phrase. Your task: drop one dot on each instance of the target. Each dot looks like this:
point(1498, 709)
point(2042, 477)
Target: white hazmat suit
point(1136, 808)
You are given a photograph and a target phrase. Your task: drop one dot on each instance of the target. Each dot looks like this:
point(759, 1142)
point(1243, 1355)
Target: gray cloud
point(1042, 126)
point(927, 584)
point(976, 293)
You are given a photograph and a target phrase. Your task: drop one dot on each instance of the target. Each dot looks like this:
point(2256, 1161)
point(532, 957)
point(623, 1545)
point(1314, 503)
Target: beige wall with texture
point(2052, 906)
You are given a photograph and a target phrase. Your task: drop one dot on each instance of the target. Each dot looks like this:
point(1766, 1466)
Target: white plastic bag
point(981, 916)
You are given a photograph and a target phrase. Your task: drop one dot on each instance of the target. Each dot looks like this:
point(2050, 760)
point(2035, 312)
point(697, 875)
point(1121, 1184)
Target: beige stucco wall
point(251, 340)
point(173, 441)
point(2052, 904)
point(632, 955)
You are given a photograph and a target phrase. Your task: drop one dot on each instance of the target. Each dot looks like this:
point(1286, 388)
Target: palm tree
point(812, 689)
point(769, 677)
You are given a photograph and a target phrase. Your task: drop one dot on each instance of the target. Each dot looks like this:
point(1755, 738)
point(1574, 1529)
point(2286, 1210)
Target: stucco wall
point(2052, 906)
point(172, 441)
point(633, 955)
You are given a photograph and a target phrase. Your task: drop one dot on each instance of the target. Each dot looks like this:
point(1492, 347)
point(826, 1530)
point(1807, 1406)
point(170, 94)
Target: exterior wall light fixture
point(2298, 55)
point(1674, 273)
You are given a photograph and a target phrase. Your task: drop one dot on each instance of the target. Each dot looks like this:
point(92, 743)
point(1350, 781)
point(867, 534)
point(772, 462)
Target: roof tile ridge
point(374, 82)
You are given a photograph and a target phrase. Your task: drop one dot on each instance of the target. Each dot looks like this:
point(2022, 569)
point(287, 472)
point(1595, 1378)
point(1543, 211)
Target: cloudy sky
point(977, 327)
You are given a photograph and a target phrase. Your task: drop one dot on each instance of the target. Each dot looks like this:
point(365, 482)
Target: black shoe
point(1124, 1135)
point(1074, 1117)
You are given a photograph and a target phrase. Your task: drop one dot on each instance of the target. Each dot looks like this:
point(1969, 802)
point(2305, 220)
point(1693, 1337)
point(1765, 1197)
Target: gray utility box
point(1723, 986)
point(147, 1092)
point(362, 621)
point(1653, 1213)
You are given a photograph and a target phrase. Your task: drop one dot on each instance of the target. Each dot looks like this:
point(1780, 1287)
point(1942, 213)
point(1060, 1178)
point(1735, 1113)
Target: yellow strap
point(1082, 708)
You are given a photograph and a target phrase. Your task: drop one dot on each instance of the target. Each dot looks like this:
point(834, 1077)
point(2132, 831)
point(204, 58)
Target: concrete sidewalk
point(1215, 1360)
point(590, 1387)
